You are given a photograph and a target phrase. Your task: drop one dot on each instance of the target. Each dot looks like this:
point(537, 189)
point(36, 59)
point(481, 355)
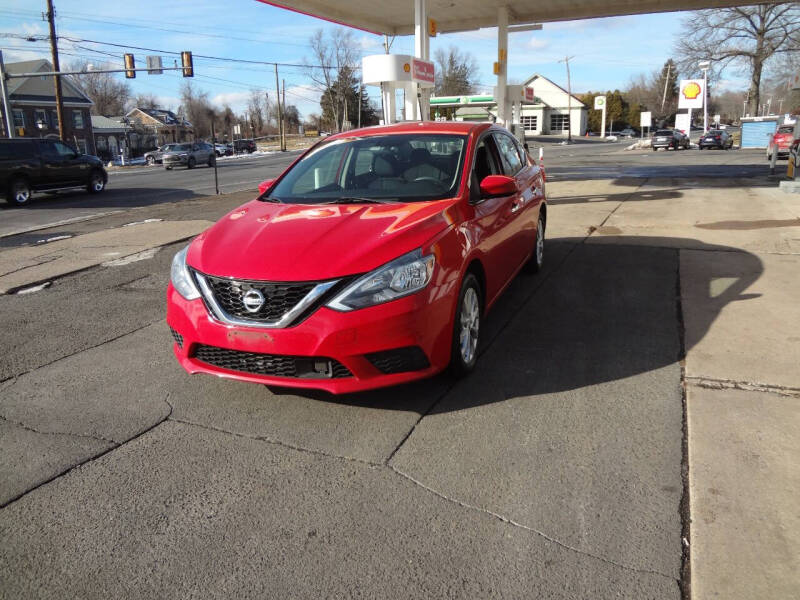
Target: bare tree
point(656, 92)
point(746, 37)
point(197, 109)
point(331, 54)
point(145, 101)
point(109, 94)
point(257, 112)
point(456, 72)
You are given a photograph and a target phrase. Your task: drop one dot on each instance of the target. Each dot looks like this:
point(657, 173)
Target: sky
point(605, 53)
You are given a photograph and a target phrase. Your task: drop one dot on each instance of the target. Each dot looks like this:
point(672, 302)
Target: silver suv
point(189, 155)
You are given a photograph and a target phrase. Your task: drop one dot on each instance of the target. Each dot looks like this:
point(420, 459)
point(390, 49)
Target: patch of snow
point(35, 288)
point(126, 260)
point(55, 238)
point(143, 222)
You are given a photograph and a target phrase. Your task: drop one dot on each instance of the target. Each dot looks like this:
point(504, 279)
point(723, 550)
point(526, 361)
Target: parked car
point(371, 261)
point(190, 155)
point(156, 156)
point(223, 149)
point(244, 146)
point(670, 138)
point(628, 132)
point(782, 140)
point(716, 138)
point(31, 165)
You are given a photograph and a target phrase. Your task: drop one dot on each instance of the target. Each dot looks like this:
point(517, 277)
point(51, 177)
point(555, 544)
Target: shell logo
point(691, 91)
point(407, 68)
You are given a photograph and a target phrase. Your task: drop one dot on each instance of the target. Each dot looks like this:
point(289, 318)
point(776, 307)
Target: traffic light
point(130, 65)
point(186, 61)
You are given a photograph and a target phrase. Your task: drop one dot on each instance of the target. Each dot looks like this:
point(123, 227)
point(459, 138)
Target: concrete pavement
point(555, 471)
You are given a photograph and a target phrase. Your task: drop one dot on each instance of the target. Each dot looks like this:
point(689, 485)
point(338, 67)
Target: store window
point(77, 119)
point(529, 123)
point(559, 122)
point(19, 118)
point(40, 118)
point(53, 119)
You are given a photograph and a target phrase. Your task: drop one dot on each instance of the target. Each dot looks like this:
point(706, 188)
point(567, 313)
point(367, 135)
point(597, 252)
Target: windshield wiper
point(270, 199)
point(357, 200)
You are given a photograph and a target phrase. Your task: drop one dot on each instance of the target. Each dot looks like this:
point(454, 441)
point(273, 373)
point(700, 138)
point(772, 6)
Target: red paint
point(423, 70)
point(290, 242)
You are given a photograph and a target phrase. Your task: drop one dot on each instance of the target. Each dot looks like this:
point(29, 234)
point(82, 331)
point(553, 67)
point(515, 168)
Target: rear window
point(715, 132)
point(663, 132)
point(786, 129)
point(16, 150)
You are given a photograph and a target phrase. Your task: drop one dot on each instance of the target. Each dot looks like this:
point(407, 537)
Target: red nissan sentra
point(371, 261)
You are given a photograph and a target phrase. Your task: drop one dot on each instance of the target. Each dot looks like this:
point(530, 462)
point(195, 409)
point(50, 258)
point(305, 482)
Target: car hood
point(290, 242)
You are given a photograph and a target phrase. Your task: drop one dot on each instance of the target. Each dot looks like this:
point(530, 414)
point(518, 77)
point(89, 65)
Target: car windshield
point(786, 129)
point(400, 167)
point(663, 132)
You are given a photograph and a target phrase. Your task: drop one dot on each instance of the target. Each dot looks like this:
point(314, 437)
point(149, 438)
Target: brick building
point(33, 106)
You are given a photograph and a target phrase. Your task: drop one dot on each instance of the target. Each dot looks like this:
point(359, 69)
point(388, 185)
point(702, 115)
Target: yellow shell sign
point(692, 91)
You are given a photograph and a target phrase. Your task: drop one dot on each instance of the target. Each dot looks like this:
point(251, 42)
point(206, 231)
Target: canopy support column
point(502, 72)
point(419, 97)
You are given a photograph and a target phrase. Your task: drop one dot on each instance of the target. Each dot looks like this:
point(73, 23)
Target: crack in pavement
point(16, 376)
point(273, 441)
point(62, 433)
point(713, 383)
point(93, 458)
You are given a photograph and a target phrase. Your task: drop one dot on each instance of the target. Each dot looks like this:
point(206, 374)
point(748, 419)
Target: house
point(154, 127)
point(111, 135)
point(552, 110)
point(33, 105)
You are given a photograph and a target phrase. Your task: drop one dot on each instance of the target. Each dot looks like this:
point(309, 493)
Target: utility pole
point(8, 116)
point(569, 99)
point(283, 121)
point(280, 114)
point(360, 88)
point(51, 17)
point(666, 82)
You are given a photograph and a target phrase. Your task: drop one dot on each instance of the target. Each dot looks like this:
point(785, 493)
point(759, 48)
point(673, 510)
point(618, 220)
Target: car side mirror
point(493, 186)
point(265, 185)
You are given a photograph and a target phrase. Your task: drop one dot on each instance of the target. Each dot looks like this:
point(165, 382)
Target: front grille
point(399, 360)
point(279, 298)
point(302, 367)
point(178, 337)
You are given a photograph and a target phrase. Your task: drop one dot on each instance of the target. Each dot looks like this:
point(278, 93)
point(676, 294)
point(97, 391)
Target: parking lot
point(627, 433)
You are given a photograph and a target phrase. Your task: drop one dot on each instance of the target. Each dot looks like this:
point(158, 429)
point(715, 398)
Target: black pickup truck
point(29, 165)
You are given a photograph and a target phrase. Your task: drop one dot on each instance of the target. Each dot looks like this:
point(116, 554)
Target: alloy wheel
point(470, 325)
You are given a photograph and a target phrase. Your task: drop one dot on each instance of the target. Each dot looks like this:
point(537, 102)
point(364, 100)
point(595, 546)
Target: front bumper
point(349, 339)
point(175, 161)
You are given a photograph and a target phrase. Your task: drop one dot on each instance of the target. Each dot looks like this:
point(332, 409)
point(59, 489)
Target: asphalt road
point(554, 471)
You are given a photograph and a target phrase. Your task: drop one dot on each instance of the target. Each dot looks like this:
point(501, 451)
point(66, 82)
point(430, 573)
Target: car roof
point(427, 127)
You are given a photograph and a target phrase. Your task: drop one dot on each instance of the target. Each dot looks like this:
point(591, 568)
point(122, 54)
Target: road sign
point(646, 119)
point(691, 93)
point(237, 129)
point(599, 102)
point(154, 65)
point(716, 119)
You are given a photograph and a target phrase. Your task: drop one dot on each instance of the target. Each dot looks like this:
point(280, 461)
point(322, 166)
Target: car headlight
point(181, 278)
point(403, 276)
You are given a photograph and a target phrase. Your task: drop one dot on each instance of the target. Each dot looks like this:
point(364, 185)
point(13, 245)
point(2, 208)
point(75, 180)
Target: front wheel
point(212, 160)
point(168, 168)
point(190, 164)
point(150, 161)
point(96, 183)
point(466, 328)
point(19, 191)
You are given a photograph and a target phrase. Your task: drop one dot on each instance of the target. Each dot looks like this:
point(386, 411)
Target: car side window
point(485, 163)
point(53, 149)
point(512, 162)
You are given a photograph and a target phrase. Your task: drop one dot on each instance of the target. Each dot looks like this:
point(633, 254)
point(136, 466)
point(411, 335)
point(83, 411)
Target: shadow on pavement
point(607, 312)
point(111, 197)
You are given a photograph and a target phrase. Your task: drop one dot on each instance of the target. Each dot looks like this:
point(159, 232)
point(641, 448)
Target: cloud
point(537, 43)
point(236, 100)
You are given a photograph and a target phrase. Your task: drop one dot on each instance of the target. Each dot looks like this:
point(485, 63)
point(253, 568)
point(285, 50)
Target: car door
point(61, 165)
point(490, 226)
point(524, 209)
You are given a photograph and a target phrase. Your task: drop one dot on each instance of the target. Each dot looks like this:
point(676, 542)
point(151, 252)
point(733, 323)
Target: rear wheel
point(536, 262)
point(19, 192)
point(467, 327)
point(168, 168)
point(211, 160)
point(96, 183)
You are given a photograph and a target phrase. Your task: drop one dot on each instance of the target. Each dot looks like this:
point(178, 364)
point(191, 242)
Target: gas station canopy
point(397, 17)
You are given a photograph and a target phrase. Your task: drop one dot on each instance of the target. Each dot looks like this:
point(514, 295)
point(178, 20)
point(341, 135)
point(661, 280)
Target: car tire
point(212, 160)
point(191, 163)
point(536, 261)
point(96, 183)
point(466, 328)
point(19, 192)
point(150, 161)
point(168, 168)
point(655, 149)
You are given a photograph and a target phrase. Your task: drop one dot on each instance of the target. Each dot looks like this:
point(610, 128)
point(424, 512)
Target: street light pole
point(704, 65)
